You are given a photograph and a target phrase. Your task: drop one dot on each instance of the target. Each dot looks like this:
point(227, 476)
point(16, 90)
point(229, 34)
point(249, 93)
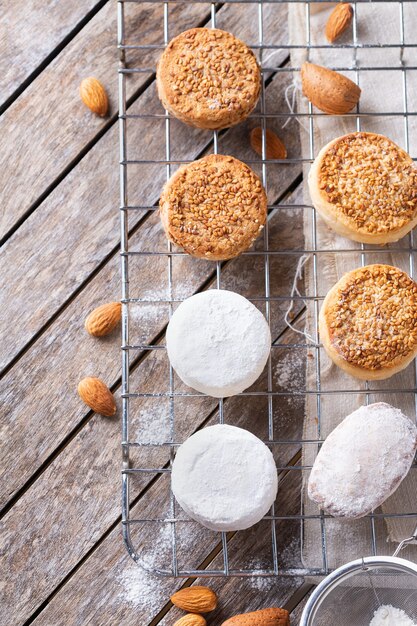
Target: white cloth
point(382, 91)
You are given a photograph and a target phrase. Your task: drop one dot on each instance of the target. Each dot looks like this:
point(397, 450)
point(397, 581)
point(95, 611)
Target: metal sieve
point(351, 594)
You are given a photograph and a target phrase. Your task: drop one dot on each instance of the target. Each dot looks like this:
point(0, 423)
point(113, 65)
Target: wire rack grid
point(217, 561)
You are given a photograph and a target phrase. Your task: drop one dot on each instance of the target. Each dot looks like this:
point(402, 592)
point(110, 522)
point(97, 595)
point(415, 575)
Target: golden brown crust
point(365, 187)
point(214, 208)
point(368, 322)
point(208, 78)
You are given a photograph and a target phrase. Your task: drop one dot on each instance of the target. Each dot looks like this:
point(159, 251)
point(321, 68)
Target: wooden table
point(62, 557)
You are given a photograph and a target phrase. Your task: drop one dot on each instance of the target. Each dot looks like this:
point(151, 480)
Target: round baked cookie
point(213, 208)
point(368, 322)
point(208, 78)
point(365, 188)
point(224, 477)
point(218, 342)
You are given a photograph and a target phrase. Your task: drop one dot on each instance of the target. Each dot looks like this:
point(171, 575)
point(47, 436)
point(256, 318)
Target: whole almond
point(275, 149)
point(339, 20)
point(103, 319)
point(94, 96)
point(95, 393)
point(192, 619)
point(196, 599)
point(265, 617)
point(328, 90)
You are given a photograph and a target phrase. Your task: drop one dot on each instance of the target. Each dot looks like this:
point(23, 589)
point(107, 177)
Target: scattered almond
point(94, 96)
point(275, 149)
point(265, 617)
point(196, 599)
point(192, 619)
point(339, 20)
point(95, 393)
point(103, 319)
point(329, 91)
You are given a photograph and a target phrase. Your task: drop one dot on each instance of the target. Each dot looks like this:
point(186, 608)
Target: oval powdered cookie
point(365, 188)
point(213, 208)
point(208, 78)
point(363, 461)
point(224, 477)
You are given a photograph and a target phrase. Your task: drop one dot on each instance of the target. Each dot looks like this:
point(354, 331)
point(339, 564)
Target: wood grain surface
point(31, 32)
point(140, 596)
point(149, 237)
point(74, 500)
point(63, 270)
point(50, 115)
point(81, 213)
point(61, 550)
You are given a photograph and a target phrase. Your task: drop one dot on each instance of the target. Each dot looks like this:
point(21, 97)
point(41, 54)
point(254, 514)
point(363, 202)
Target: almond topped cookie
point(365, 188)
point(208, 78)
point(213, 208)
point(368, 322)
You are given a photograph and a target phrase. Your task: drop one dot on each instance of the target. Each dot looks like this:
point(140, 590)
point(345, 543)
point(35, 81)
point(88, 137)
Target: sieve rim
point(341, 573)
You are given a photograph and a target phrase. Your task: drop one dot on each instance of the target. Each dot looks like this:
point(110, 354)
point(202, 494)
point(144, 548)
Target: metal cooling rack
point(224, 544)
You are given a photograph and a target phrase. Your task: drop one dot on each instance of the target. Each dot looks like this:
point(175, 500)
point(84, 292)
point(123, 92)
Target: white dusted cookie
point(218, 342)
point(363, 461)
point(224, 477)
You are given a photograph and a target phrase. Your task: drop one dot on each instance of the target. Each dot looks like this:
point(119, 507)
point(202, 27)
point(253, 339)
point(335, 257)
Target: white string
point(295, 291)
point(291, 102)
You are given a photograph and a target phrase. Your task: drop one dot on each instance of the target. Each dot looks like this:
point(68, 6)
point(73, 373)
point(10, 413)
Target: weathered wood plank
point(297, 612)
point(50, 115)
point(35, 421)
point(70, 234)
point(59, 137)
point(76, 498)
point(63, 487)
point(123, 591)
point(31, 32)
point(56, 361)
point(53, 419)
point(81, 214)
point(66, 338)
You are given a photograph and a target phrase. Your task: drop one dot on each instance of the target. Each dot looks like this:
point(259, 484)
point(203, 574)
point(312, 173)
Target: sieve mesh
point(354, 600)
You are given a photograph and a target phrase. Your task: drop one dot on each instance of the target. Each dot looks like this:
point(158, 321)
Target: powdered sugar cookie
point(363, 461)
point(224, 477)
point(218, 342)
